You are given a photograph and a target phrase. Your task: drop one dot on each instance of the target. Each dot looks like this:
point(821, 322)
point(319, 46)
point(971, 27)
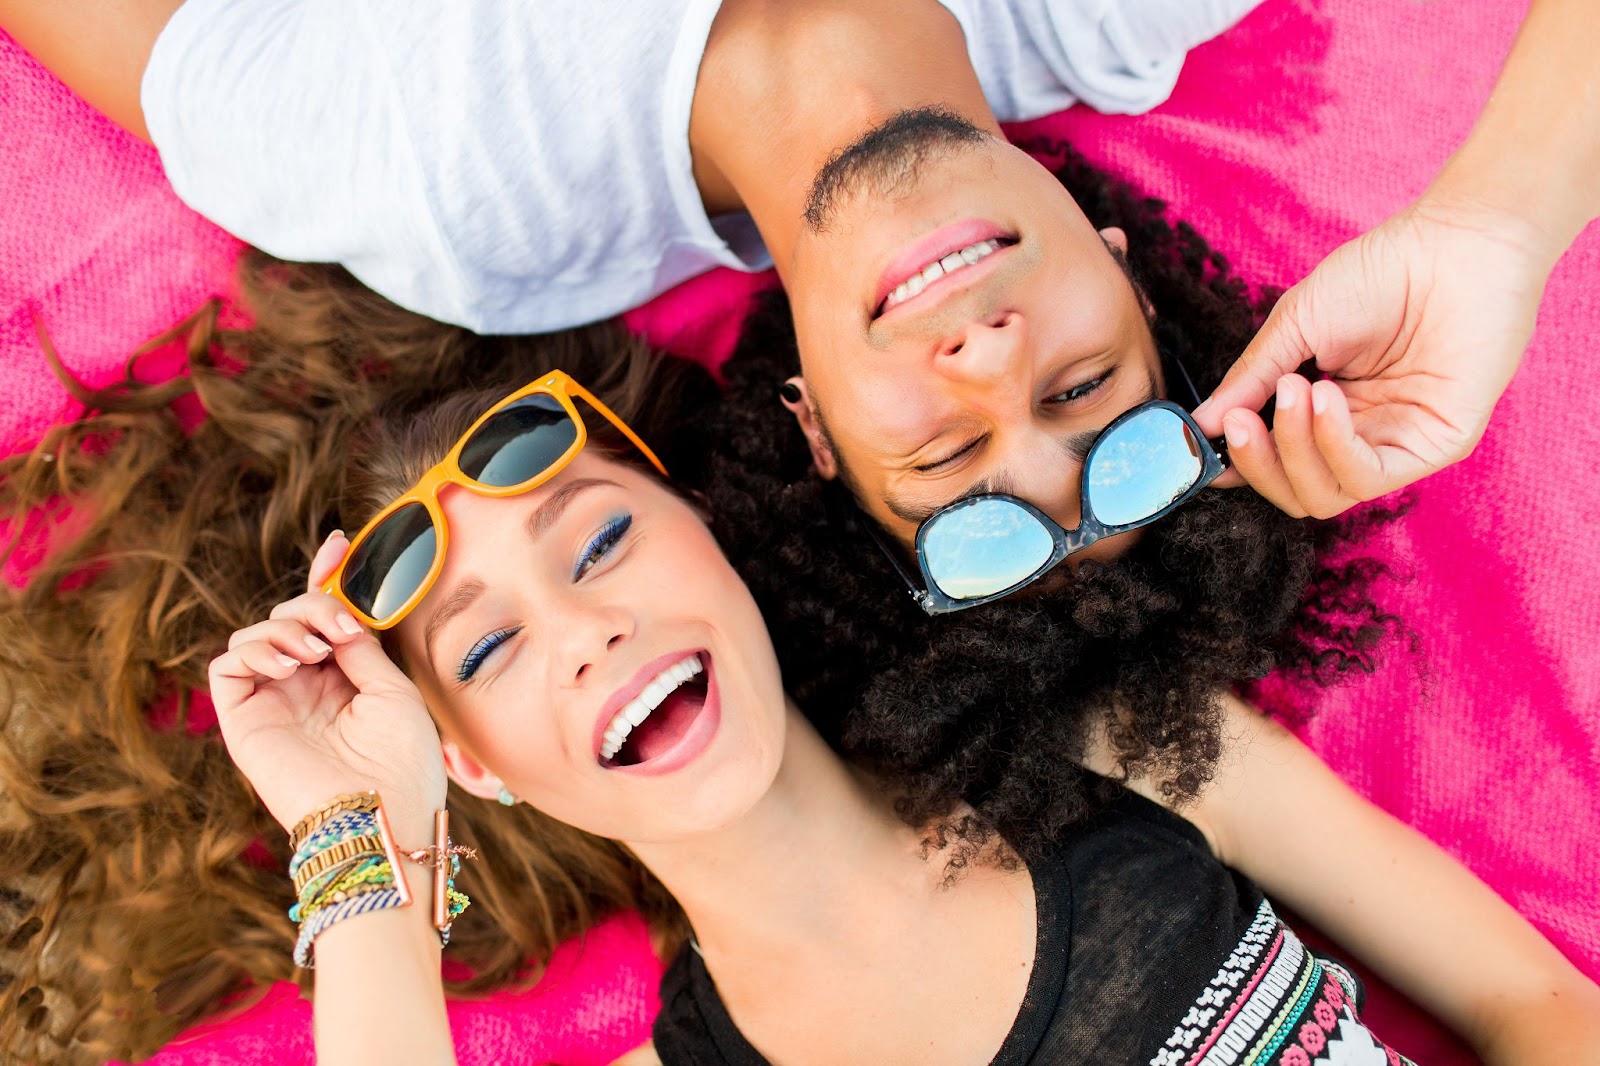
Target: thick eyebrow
point(1077, 446)
point(918, 513)
point(538, 523)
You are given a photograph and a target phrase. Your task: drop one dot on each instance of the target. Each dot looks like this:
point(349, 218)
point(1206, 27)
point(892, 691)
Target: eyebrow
point(1076, 446)
point(465, 594)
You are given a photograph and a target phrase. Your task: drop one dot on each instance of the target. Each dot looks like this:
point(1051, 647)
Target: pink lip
point(692, 743)
point(913, 259)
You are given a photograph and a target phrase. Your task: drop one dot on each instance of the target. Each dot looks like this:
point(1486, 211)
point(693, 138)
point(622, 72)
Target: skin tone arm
point(1421, 322)
point(310, 709)
point(99, 48)
point(1394, 899)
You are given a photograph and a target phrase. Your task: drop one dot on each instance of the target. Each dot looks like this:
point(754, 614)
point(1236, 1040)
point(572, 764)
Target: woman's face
point(598, 599)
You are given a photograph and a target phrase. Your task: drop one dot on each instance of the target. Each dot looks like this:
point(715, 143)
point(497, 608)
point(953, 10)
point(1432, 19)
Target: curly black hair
point(995, 705)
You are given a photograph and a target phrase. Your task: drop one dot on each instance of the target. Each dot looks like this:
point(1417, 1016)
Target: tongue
point(667, 723)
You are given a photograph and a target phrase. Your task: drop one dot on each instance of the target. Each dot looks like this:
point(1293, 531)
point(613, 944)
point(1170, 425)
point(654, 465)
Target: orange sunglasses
point(515, 446)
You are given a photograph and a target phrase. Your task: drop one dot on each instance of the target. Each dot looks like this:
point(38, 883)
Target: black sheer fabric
point(1150, 951)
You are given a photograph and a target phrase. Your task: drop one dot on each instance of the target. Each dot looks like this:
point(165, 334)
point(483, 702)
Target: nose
point(989, 352)
point(587, 636)
point(1045, 474)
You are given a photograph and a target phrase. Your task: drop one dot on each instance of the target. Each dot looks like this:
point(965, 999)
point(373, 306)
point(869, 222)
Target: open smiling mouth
point(936, 270)
point(654, 721)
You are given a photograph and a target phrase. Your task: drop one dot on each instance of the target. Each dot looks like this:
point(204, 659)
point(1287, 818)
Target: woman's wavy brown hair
point(143, 884)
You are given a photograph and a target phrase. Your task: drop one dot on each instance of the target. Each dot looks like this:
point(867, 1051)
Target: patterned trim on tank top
point(1273, 1003)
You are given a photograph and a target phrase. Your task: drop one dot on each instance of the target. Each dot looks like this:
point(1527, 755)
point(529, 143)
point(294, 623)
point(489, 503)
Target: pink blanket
point(1310, 121)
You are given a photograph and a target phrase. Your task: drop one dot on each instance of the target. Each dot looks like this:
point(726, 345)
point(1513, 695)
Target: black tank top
point(1150, 951)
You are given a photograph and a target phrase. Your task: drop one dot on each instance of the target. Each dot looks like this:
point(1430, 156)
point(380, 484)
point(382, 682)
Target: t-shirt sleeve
point(1123, 56)
point(279, 121)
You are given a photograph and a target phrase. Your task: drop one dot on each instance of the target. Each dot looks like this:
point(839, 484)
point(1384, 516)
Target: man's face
point(992, 373)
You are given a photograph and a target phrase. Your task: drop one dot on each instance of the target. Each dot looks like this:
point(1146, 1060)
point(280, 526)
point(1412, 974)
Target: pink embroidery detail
point(1295, 1056)
point(1326, 1016)
point(1312, 1038)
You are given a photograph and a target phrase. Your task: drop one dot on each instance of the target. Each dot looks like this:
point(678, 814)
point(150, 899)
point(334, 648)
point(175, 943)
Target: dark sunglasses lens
point(392, 562)
point(984, 548)
point(519, 442)
point(1141, 466)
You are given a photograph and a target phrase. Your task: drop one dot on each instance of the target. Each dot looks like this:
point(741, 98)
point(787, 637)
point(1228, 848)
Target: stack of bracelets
point(346, 863)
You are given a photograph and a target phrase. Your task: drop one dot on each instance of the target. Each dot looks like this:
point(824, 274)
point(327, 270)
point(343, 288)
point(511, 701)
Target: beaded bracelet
point(365, 802)
point(335, 856)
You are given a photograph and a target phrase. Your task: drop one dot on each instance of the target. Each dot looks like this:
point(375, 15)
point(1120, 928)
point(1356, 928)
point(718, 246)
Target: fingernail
point(336, 533)
point(287, 661)
point(348, 624)
point(1285, 395)
point(1237, 434)
point(1319, 399)
point(318, 646)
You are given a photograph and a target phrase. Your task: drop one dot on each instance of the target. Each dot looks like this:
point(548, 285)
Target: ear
point(796, 396)
point(1114, 236)
point(469, 773)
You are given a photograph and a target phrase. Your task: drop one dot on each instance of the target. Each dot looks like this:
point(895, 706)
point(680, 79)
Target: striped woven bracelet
point(318, 923)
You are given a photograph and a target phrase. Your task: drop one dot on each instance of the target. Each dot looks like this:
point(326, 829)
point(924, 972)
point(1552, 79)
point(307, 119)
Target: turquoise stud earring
point(506, 798)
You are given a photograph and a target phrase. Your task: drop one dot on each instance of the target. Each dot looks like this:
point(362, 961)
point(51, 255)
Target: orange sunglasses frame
point(448, 472)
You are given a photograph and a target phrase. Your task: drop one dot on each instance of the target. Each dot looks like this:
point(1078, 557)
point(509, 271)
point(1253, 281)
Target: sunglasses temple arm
point(893, 556)
point(593, 401)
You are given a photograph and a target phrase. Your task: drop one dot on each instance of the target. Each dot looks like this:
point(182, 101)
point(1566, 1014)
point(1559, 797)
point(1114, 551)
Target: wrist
point(1515, 205)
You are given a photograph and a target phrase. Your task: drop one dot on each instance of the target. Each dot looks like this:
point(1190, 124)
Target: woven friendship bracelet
point(381, 899)
point(341, 826)
point(350, 801)
point(319, 843)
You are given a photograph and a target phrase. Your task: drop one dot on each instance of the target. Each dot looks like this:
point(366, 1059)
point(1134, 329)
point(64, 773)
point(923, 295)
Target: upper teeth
point(638, 709)
point(939, 268)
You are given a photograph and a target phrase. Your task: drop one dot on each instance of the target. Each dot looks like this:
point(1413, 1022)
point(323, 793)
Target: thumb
point(370, 669)
point(1276, 350)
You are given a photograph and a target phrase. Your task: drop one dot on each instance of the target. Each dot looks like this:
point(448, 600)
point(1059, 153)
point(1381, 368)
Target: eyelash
point(1077, 392)
point(609, 536)
point(601, 545)
point(480, 651)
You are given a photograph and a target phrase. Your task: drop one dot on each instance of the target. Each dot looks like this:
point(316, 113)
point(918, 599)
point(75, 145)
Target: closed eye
point(928, 468)
point(602, 544)
point(1079, 391)
point(482, 650)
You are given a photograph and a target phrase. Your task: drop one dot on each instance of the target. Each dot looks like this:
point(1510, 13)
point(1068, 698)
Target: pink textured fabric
point(594, 1003)
point(1310, 121)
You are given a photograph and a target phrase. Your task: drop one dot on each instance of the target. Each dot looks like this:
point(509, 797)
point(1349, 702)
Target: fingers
point(1276, 350)
point(326, 559)
point(320, 613)
point(235, 674)
point(370, 669)
point(1313, 462)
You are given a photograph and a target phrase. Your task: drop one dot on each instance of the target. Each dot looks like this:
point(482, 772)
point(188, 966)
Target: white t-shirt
point(519, 166)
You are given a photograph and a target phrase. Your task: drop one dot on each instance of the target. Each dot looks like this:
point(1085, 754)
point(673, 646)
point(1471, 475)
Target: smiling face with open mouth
point(962, 325)
point(588, 645)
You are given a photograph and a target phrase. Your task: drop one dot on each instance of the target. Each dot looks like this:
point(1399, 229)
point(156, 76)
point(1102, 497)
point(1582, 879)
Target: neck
point(814, 75)
point(819, 856)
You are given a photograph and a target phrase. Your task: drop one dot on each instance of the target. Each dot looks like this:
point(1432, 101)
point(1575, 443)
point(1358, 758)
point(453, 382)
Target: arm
point(1421, 323)
point(99, 48)
point(1394, 899)
point(310, 710)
